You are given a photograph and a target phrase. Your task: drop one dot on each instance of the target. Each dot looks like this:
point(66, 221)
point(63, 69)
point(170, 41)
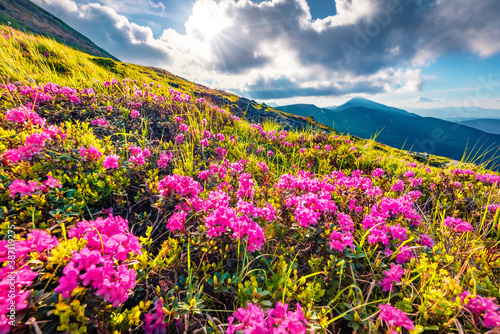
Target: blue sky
point(406, 53)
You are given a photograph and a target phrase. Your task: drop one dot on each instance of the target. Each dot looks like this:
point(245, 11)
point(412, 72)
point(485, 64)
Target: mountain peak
point(361, 102)
point(359, 99)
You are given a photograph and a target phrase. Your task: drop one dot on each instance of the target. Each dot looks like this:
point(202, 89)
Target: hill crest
point(27, 16)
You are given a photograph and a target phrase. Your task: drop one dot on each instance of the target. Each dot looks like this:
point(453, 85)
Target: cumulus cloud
point(274, 49)
point(111, 31)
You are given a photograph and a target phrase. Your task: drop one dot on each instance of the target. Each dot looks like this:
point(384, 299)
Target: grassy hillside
point(26, 16)
point(134, 201)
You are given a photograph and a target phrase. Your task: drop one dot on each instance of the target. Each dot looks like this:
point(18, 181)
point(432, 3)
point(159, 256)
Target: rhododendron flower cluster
point(182, 185)
point(154, 321)
point(488, 178)
point(482, 305)
point(457, 225)
point(100, 122)
point(378, 172)
point(138, 155)
point(34, 142)
point(220, 217)
point(135, 113)
point(111, 161)
point(164, 159)
point(101, 263)
point(392, 276)
point(50, 183)
point(91, 154)
point(394, 318)
point(246, 188)
point(17, 274)
point(25, 116)
point(279, 320)
point(23, 188)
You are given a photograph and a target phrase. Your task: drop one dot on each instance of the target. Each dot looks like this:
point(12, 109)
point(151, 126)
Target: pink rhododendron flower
point(478, 304)
point(179, 138)
point(279, 320)
point(409, 173)
point(263, 166)
point(176, 221)
point(457, 225)
point(135, 113)
point(404, 254)
point(22, 188)
point(50, 183)
point(40, 240)
point(100, 122)
point(491, 319)
point(36, 140)
point(204, 143)
point(137, 159)
point(391, 276)
point(164, 159)
point(75, 99)
point(339, 241)
point(221, 153)
point(92, 153)
point(98, 264)
point(246, 184)
point(426, 241)
point(398, 186)
point(287, 321)
point(111, 161)
point(395, 318)
point(378, 172)
point(183, 185)
point(24, 115)
point(251, 321)
point(154, 321)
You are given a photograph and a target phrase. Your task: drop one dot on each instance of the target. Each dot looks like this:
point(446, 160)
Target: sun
point(209, 20)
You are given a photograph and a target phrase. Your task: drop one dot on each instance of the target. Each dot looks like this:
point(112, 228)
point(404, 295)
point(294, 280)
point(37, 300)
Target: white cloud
point(274, 50)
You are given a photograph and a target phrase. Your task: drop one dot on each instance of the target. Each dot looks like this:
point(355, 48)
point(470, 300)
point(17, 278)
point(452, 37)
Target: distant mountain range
point(362, 102)
point(458, 113)
point(401, 129)
point(26, 16)
point(489, 125)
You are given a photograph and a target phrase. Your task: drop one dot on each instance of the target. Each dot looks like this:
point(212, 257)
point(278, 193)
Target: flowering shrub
point(279, 320)
point(108, 241)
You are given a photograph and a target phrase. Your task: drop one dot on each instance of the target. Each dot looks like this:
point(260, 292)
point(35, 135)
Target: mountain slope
point(399, 128)
point(421, 134)
point(26, 16)
point(488, 125)
point(321, 115)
